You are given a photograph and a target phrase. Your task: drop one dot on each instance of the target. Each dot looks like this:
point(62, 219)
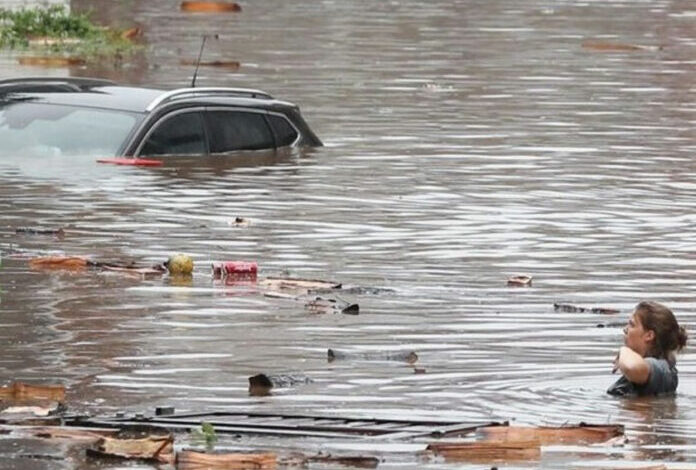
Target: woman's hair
point(669, 336)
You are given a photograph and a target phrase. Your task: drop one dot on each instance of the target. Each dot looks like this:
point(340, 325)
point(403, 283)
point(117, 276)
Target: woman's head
point(653, 331)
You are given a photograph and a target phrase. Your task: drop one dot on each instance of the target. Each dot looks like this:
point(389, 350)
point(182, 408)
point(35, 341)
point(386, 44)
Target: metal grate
point(295, 425)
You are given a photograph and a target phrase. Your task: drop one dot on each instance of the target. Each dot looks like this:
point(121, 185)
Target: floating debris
point(548, 435)
point(227, 64)
point(615, 324)
point(192, 460)
point(574, 309)
point(520, 281)
point(261, 384)
point(335, 305)
point(487, 451)
point(19, 391)
point(210, 7)
point(59, 232)
point(235, 269)
point(137, 442)
point(79, 263)
point(399, 356)
point(345, 460)
point(297, 285)
point(607, 46)
point(180, 264)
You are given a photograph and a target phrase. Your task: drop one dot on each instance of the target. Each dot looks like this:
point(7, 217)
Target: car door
point(231, 130)
point(176, 133)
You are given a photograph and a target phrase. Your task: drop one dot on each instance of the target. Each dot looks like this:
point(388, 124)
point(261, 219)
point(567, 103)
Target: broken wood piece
point(60, 262)
point(487, 451)
point(261, 384)
point(210, 7)
point(131, 33)
point(607, 46)
point(191, 460)
point(54, 232)
point(228, 64)
point(335, 305)
point(520, 281)
point(548, 435)
point(31, 410)
point(74, 434)
point(400, 356)
point(137, 442)
point(574, 309)
point(297, 285)
point(156, 270)
point(19, 391)
point(348, 461)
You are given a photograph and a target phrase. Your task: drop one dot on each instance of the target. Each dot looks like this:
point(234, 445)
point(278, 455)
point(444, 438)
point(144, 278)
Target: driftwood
point(574, 309)
point(141, 442)
point(580, 434)
point(261, 384)
point(296, 285)
point(332, 305)
point(487, 451)
point(607, 46)
point(400, 356)
point(20, 391)
point(50, 61)
point(348, 461)
point(41, 231)
point(79, 263)
point(210, 7)
point(520, 281)
point(227, 64)
point(72, 434)
point(191, 460)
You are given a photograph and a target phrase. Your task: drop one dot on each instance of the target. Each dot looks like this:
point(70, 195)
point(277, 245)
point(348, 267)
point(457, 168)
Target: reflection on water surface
point(466, 142)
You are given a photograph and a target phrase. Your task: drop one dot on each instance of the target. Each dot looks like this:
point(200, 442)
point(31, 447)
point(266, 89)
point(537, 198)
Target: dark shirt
point(663, 379)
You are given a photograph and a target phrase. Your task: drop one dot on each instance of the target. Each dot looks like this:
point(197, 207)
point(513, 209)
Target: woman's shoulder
point(663, 377)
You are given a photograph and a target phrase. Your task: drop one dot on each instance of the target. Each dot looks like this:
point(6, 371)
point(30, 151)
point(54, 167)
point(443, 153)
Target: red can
point(246, 269)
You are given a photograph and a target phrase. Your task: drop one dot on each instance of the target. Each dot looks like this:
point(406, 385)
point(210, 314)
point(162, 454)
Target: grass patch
point(54, 30)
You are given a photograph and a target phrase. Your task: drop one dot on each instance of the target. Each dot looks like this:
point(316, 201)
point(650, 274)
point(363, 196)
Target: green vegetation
point(205, 435)
point(54, 30)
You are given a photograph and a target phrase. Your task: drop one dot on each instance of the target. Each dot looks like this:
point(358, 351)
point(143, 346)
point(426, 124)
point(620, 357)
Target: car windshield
point(38, 129)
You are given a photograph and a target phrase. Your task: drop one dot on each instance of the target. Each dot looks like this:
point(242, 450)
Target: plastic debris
point(332, 304)
point(261, 384)
point(180, 264)
point(574, 309)
point(400, 356)
point(520, 281)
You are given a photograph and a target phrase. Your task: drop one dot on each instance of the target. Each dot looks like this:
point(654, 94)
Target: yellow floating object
point(180, 264)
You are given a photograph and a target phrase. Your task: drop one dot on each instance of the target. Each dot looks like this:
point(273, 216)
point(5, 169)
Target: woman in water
point(648, 358)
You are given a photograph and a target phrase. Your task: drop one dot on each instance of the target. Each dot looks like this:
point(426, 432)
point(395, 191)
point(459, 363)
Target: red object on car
point(131, 161)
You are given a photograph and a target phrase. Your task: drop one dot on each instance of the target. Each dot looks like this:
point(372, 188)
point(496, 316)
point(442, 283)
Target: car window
point(40, 129)
point(285, 134)
point(181, 134)
point(238, 130)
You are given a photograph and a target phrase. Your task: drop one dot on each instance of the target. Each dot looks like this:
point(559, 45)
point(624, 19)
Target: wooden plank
point(481, 452)
point(580, 434)
point(190, 460)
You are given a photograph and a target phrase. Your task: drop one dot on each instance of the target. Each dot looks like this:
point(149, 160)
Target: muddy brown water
point(466, 142)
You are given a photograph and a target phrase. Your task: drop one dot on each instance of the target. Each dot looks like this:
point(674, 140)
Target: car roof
point(106, 95)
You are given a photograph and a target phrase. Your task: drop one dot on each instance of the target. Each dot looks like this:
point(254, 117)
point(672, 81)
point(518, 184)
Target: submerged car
point(94, 117)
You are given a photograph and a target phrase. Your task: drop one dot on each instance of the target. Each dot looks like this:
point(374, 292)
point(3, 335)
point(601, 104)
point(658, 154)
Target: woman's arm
point(632, 365)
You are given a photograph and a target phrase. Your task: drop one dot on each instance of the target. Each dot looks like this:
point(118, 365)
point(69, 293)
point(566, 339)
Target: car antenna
point(198, 61)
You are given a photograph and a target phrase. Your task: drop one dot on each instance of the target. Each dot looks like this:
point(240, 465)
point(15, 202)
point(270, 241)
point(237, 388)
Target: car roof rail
point(80, 83)
point(206, 91)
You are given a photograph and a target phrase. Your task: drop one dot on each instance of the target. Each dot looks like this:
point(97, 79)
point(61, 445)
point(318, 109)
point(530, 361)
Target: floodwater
point(466, 142)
